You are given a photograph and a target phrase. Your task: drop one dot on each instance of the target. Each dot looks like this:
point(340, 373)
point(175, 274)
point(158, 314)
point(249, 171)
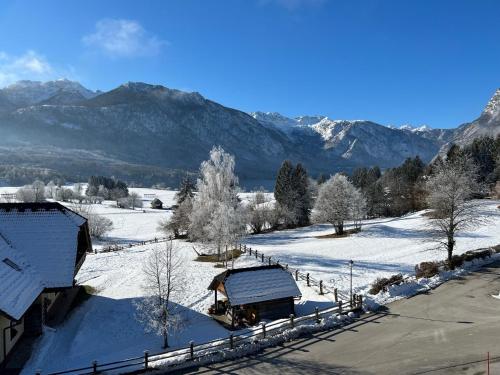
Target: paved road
point(434, 333)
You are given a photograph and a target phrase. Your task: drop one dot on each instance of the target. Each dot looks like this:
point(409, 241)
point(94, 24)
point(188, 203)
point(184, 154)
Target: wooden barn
point(42, 247)
point(156, 204)
point(248, 295)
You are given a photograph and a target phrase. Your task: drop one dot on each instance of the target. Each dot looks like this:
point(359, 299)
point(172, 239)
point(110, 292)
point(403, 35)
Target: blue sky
point(390, 61)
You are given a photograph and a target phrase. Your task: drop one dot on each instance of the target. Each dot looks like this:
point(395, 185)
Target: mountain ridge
point(163, 129)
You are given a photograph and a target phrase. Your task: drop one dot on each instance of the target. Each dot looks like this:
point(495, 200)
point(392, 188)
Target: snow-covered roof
point(38, 249)
point(257, 284)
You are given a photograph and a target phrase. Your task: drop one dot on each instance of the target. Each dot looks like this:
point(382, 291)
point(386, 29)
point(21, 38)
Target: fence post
point(296, 275)
point(360, 301)
point(292, 320)
point(269, 260)
point(146, 359)
point(307, 276)
point(262, 257)
point(352, 301)
point(321, 287)
point(340, 307)
point(264, 329)
point(191, 349)
point(335, 295)
point(231, 341)
point(256, 253)
point(94, 367)
point(317, 315)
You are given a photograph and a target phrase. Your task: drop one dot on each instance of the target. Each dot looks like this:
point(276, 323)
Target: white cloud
point(123, 38)
point(29, 65)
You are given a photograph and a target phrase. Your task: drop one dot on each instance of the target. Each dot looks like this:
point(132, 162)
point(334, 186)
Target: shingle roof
point(42, 240)
point(257, 284)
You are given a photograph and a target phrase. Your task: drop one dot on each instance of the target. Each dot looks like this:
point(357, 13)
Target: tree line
point(211, 212)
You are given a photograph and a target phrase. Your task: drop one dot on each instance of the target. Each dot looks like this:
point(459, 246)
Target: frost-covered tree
point(38, 190)
point(217, 202)
point(51, 190)
point(26, 194)
point(162, 279)
point(338, 201)
point(450, 189)
point(78, 188)
point(178, 224)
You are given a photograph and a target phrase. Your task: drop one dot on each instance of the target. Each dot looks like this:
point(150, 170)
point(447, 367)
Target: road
point(441, 332)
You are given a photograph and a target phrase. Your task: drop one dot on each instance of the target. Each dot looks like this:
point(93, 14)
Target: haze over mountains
point(149, 133)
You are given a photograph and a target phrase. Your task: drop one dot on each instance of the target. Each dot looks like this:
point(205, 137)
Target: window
point(11, 264)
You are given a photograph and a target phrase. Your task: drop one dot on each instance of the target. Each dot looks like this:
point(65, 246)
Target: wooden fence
point(116, 247)
point(195, 352)
point(310, 281)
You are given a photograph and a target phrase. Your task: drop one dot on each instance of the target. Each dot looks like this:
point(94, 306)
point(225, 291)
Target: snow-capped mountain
point(25, 93)
point(488, 123)
point(358, 142)
point(151, 133)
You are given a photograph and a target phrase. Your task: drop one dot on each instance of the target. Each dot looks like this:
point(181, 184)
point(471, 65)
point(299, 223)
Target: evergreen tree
point(186, 189)
point(301, 204)
point(283, 187)
point(322, 178)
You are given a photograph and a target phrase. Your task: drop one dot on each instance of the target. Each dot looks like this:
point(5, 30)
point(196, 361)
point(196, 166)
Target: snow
point(45, 237)
point(383, 248)
point(104, 328)
point(19, 288)
point(260, 285)
point(35, 243)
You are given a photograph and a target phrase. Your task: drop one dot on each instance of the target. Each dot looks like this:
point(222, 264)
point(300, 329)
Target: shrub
point(382, 283)
point(426, 269)
point(456, 261)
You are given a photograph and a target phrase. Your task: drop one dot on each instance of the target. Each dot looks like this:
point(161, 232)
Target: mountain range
point(149, 133)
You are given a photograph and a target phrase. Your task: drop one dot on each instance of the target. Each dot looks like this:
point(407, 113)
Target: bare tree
point(259, 212)
point(338, 200)
point(450, 189)
point(162, 279)
point(135, 200)
point(98, 225)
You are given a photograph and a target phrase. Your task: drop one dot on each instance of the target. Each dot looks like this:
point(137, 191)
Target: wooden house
point(247, 295)
point(42, 247)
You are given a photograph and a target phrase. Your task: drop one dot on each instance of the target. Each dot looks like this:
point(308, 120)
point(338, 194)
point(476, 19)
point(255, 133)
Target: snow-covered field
point(104, 328)
point(383, 248)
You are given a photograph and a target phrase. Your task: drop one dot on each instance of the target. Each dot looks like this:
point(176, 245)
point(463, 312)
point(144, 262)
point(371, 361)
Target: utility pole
point(350, 295)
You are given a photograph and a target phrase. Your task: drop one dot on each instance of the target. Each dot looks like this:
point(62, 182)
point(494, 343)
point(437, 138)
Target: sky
point(395, 62)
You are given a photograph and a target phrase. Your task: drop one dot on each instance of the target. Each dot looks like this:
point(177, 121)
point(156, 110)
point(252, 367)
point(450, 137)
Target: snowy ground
point(104, 328)
point(383, 248)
